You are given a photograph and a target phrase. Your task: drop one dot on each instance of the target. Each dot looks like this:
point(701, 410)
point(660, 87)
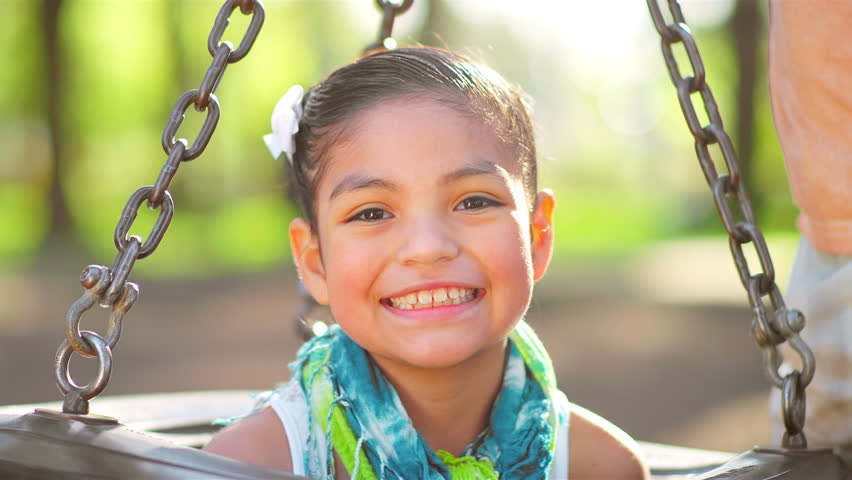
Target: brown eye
point(476, 203)
point(370, 215)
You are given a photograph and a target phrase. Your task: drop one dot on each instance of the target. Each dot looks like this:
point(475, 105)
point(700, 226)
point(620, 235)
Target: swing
point(774, 324)
point(39, 443)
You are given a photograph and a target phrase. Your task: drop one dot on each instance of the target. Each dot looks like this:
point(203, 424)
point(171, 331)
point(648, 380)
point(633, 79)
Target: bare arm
point(599, 450)
point(810, 63)
point(259, 439)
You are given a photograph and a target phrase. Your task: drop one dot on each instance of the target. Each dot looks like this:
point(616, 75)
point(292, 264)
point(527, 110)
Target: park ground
point(658, 342)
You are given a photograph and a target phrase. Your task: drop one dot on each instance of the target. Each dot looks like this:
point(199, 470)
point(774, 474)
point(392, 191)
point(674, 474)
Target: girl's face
point(425, 248)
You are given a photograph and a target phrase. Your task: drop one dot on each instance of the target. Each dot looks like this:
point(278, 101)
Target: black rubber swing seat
point(160, 434)
point(36, 446)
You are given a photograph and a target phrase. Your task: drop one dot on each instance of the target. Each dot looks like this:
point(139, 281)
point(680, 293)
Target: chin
point(438, 356)
point(435, 362)
point(430, 349)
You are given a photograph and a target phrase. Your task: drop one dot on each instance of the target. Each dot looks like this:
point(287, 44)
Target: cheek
point(505, 250)
point(510, 273)
point(351, 268)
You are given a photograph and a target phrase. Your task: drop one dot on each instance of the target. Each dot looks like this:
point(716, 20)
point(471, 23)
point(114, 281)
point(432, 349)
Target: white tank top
point(290, 405)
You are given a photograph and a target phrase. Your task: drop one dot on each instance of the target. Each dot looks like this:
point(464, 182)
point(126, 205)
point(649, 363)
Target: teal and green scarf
point(356, 412)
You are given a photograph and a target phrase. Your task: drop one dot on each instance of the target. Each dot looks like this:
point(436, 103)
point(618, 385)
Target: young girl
point(423, 230)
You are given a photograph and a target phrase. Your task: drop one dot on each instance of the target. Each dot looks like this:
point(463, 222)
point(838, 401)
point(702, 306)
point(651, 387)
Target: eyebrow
point(478, 167)
point(359, 181)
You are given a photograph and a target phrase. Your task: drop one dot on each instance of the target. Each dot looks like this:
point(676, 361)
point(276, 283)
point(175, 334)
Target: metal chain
point(306, 325)
point(390, 9)
point(108, 287)
point(774, 324)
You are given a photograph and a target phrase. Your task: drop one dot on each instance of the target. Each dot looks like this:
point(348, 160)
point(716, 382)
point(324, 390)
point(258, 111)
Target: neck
point(449, 406)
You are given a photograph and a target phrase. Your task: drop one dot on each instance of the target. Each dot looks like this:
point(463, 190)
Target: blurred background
point(642, 309)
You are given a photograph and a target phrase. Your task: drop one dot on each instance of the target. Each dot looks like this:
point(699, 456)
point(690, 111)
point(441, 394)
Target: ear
point(542, 232)
point(304, 245)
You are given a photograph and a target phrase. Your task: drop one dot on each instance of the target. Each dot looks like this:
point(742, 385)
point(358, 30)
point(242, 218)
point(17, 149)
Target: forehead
point(422, 135)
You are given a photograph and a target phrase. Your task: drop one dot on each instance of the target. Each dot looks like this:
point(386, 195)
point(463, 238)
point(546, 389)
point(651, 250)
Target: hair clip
point(285, 124)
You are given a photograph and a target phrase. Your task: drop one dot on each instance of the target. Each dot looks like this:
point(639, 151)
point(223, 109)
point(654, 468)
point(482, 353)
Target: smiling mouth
point(437, 297)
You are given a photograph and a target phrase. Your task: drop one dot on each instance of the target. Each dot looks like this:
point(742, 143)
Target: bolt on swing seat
point(159, 431)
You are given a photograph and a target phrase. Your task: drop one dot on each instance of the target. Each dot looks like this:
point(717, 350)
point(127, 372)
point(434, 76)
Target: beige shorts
point(821, 287)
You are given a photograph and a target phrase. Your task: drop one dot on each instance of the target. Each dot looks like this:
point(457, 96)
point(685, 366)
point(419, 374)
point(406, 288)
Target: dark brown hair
point(451, 78)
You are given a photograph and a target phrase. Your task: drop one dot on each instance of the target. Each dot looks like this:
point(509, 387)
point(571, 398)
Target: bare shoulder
point(259, 439)
point(600, 450)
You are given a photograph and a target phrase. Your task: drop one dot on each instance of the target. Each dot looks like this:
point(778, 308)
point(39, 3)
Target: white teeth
point(439, 295)
point(424, 296)
point(433, 298)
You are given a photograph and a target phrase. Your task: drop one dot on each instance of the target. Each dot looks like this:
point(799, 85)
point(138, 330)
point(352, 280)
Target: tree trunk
point(436, 28)
point(60, 216)
point(746, 30)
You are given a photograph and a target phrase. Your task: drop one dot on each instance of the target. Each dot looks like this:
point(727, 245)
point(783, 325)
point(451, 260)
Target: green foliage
point(24, 210)
point(613, 143)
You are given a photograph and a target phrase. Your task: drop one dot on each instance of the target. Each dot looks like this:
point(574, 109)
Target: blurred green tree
point(91, 84)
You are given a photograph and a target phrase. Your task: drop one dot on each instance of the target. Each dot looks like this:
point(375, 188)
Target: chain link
point(772, 325)
point(108, 287)
point(167, 174)
point(247, 7)
point(213, 76)
point(128, 215)
point(390, 9)
point(76, 397)
point(793, 411)
point(176, 119)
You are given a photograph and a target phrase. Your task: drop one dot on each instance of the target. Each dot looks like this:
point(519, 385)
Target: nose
point(428, 240)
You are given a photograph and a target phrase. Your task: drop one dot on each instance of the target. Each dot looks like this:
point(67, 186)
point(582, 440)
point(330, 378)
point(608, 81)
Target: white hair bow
point(285, 123)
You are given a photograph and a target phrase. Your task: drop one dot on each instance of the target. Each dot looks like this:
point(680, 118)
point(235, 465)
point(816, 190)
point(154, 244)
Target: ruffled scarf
point(356, 412)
